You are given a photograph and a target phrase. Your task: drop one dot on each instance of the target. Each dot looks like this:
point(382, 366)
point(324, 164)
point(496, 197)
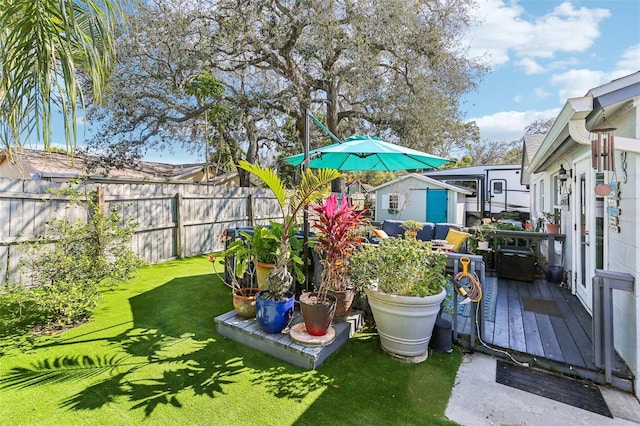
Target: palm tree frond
point(270, 178)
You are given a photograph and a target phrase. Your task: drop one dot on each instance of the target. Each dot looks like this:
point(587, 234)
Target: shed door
point(437, 206)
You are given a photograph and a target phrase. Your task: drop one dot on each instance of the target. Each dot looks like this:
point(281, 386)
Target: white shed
point(421, 198)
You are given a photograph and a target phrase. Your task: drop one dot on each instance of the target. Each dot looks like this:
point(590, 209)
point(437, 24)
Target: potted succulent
point(335, 242)
point(274, 306)
point(411, 227)
point(404, 282)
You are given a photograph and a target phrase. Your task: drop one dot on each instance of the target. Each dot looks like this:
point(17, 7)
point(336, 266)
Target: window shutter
point(385, 201)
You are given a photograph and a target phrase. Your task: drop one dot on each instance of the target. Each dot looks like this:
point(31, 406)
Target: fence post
point(179, 227)
point(250, 208)
point(100, 198)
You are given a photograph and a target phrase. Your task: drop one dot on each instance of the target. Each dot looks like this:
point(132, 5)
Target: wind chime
point(602, 148)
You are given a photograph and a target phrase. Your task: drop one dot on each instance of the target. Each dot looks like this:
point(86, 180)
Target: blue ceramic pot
point(274, 315)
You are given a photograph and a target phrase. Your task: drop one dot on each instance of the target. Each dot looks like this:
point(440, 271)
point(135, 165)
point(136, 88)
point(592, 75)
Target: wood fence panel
point(205, 212)
point(4, 257)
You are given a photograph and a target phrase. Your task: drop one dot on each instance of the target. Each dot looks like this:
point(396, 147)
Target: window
point(392, 202)
point(497, 187)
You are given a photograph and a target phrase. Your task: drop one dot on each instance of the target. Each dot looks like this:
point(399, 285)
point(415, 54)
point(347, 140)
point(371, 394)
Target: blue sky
point(540, 52)
point(543, 52)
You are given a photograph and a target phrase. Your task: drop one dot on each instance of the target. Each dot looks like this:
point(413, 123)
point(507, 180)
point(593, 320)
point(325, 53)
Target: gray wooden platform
point(249, 333)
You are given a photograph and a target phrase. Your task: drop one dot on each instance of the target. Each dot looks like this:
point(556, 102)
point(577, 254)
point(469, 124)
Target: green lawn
point(150, 354)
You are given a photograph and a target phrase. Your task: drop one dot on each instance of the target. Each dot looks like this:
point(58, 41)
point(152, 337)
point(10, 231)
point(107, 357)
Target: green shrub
point(400, 266)
point(73, 259)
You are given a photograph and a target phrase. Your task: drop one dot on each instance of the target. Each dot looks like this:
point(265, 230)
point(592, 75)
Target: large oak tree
point(384, 67)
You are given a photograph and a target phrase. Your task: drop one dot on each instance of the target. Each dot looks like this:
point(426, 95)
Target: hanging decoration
point(602, 147)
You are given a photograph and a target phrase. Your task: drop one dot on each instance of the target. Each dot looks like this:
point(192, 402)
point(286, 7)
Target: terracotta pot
point(317, 316)
point(553, 228)
point(344, 302)
point(244, 301)
point(262, 272)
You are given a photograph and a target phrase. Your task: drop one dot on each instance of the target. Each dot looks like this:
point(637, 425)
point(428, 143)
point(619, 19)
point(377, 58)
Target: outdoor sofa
point(451, 232)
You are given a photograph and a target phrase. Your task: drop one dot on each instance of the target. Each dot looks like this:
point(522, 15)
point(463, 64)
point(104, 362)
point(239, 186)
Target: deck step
point(280, 345)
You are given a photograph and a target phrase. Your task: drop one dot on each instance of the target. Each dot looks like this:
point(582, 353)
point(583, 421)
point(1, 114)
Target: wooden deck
point(546, 325)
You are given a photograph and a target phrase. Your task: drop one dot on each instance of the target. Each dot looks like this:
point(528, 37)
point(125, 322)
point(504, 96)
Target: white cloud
point(517, 98)
point(505, 29)
point(630, 61)
point(530, 66)
point(575, 83)
point(510, 125)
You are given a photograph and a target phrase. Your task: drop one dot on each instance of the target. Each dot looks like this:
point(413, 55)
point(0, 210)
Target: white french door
point(589, 236)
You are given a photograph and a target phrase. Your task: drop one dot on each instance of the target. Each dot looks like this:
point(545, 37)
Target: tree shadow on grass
point(171, 349)
point(295, 386)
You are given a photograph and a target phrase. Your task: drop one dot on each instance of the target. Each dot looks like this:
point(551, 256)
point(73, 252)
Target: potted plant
point(404, 282)
point(411, 227)
point(483, 233)
point(335, 242)
point(265, 241)
point(274, 306)
point(553, 221)
point(244, 298)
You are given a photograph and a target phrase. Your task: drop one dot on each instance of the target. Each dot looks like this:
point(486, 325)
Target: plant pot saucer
point(298, 334)
point(407, 359)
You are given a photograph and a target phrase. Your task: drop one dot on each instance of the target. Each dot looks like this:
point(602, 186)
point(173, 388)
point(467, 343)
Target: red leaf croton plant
point(335, 241)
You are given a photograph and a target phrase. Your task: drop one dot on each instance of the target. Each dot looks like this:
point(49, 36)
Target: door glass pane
point(583, 229)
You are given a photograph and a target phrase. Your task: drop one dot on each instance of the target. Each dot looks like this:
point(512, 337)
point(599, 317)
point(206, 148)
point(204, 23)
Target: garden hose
point(467, 284)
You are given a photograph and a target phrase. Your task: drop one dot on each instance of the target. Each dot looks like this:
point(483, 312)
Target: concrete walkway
point(478, 400)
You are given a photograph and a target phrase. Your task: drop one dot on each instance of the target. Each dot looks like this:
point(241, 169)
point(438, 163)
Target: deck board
point(516, 327)
point(531, 331)
point(501, 325)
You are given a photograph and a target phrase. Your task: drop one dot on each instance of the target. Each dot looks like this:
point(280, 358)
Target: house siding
point(624, 256)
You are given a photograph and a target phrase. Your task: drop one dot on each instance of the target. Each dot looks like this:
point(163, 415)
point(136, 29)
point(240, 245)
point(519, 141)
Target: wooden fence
point(175, 219)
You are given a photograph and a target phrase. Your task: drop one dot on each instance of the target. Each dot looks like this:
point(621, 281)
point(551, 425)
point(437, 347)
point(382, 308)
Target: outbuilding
point(421, 198)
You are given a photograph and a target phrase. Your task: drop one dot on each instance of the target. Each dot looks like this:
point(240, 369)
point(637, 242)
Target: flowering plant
point(336, 241)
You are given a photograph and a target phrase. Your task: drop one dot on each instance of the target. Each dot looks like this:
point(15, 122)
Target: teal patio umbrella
point(368, 153)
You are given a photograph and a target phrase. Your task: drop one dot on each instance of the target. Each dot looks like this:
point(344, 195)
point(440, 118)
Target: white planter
point(483, 245)
point(405, 323)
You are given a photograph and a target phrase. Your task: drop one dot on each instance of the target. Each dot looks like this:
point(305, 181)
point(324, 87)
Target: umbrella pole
point(305, 214)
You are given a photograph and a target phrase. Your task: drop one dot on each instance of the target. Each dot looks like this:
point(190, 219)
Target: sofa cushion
point(442, 229)
point(393, 228)
point(379, 233)
point(456, 238)
point(427, 232)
